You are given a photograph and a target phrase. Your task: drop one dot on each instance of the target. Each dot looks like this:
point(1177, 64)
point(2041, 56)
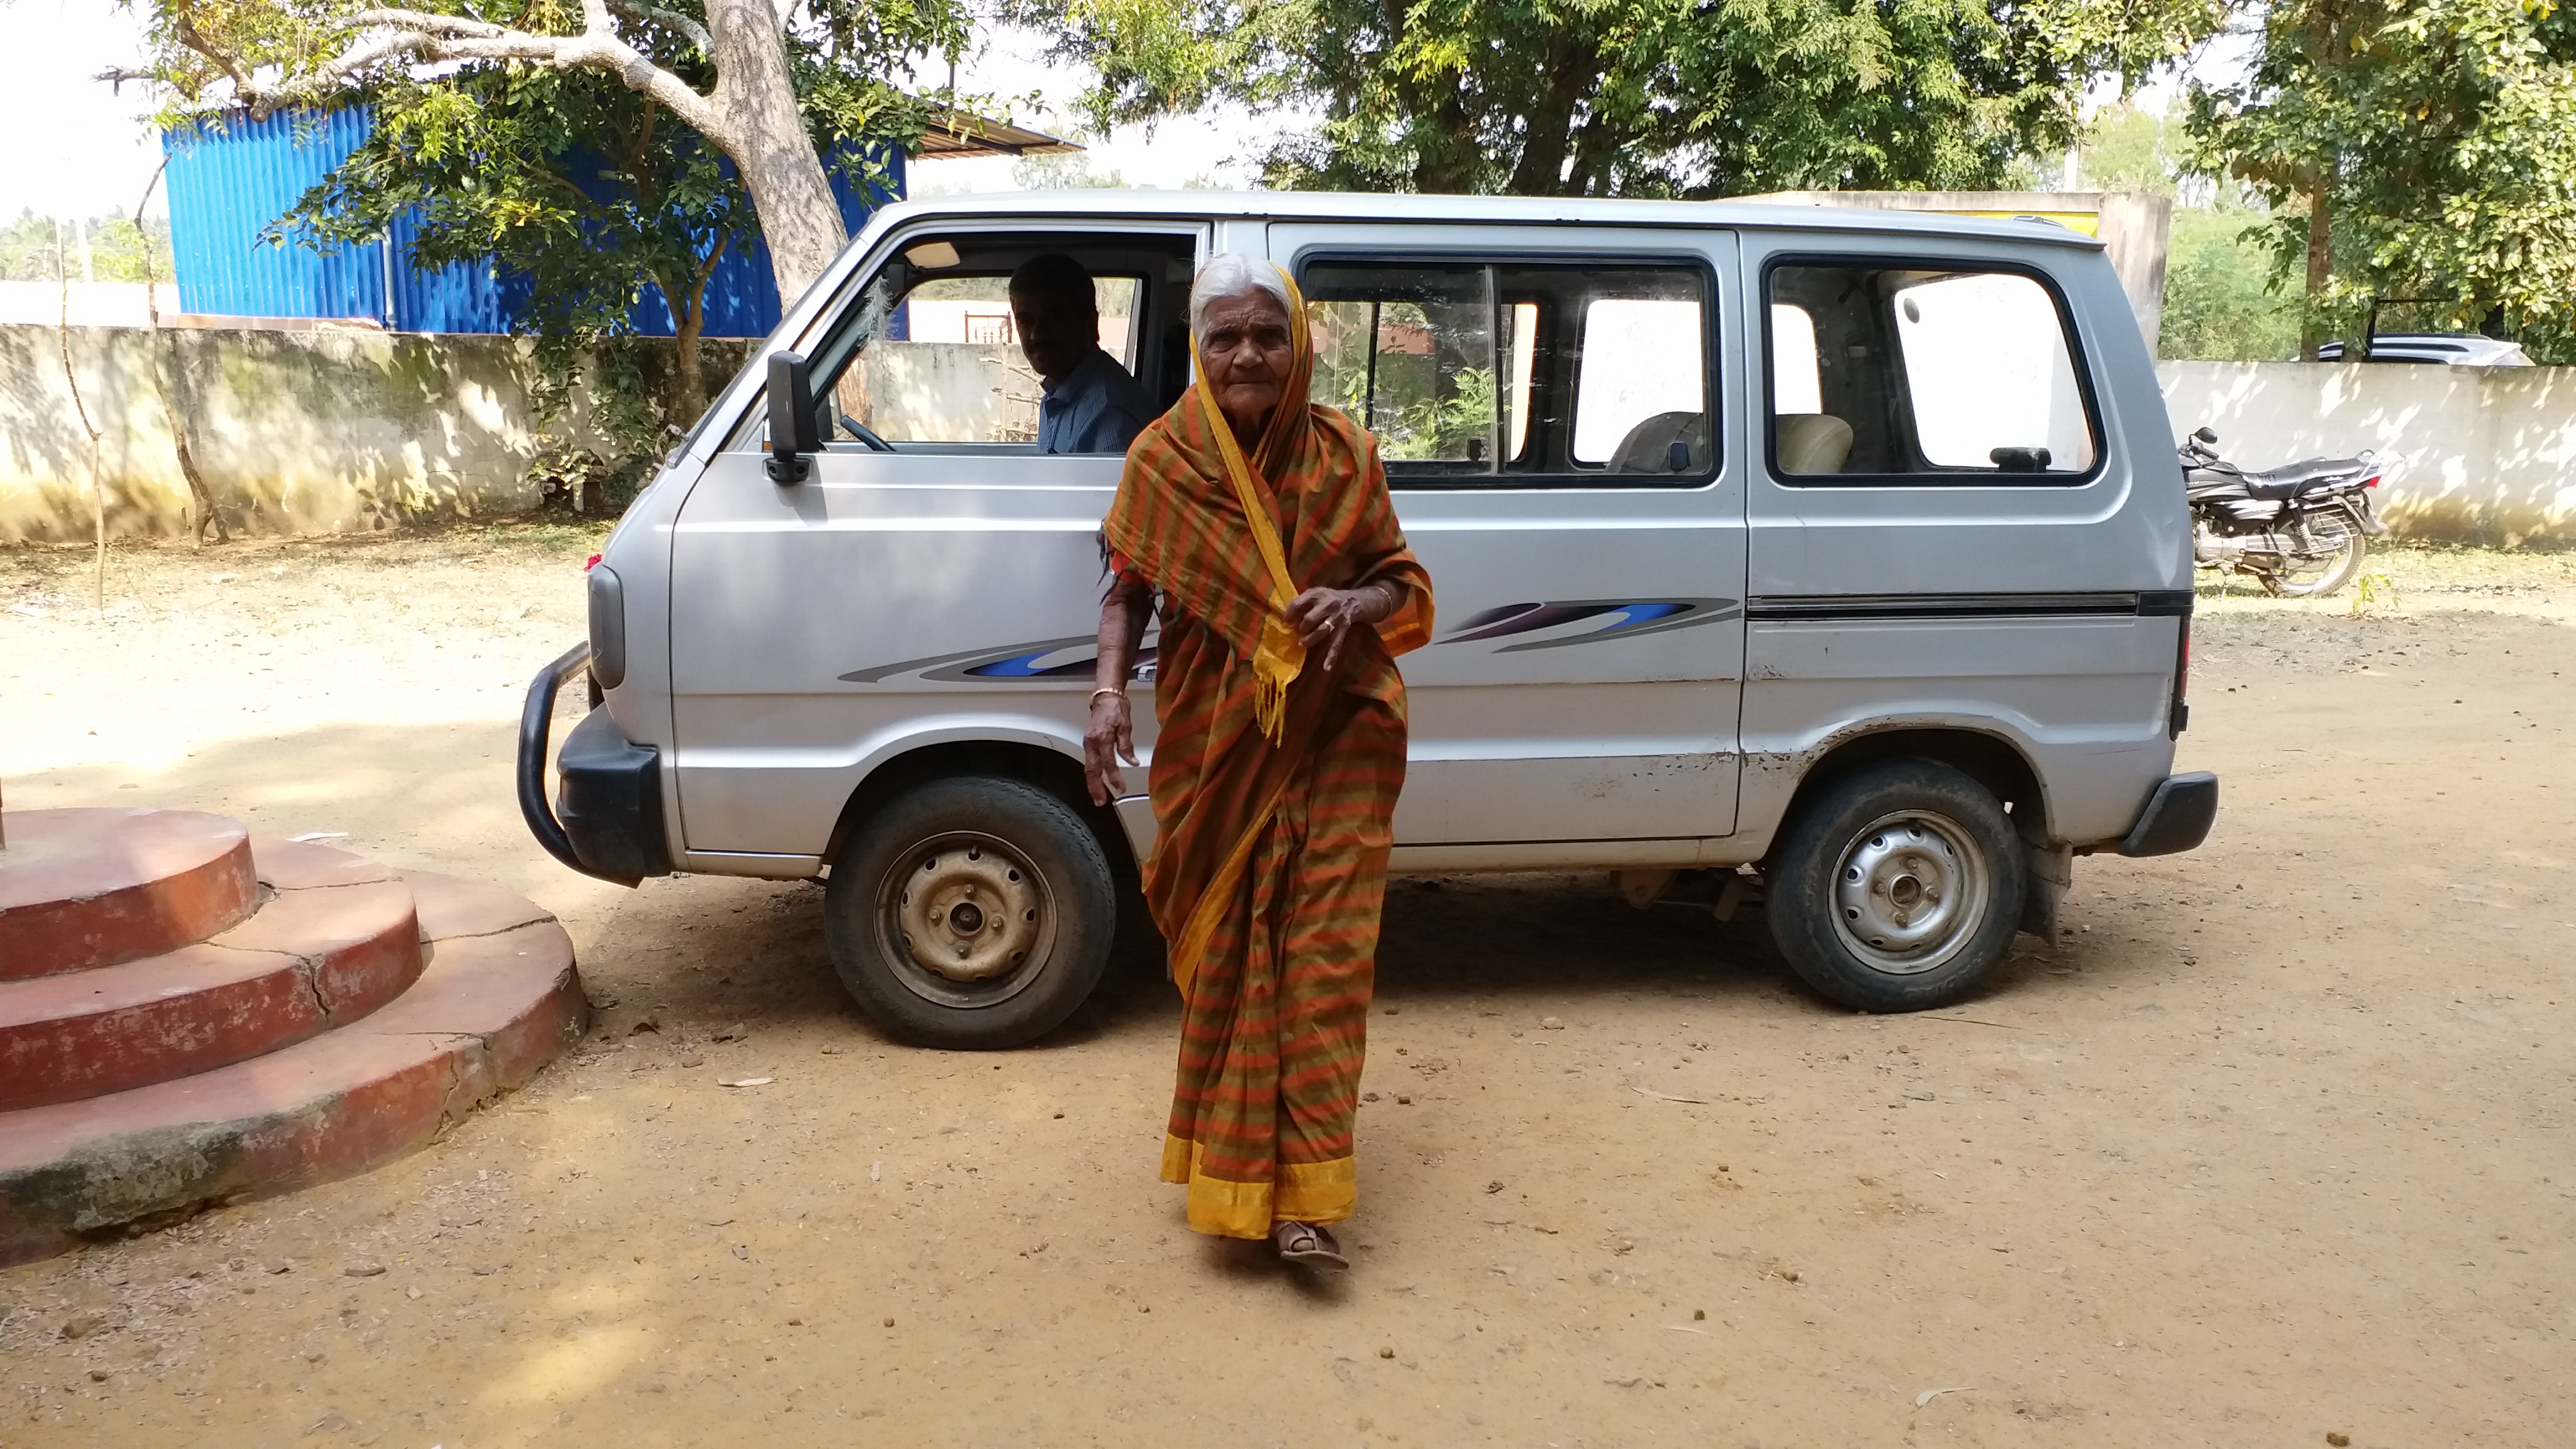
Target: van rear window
point(1475, 374)
point(1936, 371)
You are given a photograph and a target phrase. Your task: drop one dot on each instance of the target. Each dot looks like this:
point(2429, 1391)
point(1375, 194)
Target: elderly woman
point(1263, 522)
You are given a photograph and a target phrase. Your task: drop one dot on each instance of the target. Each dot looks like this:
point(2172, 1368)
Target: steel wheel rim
point(1910, 892)
point(965, 919)
point(2328, 533)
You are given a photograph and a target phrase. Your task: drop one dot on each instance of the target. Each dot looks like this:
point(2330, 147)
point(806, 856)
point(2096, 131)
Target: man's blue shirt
point(1096, 408)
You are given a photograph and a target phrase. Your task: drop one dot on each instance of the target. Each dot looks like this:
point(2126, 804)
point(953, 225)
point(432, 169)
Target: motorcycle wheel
point(2334, 559)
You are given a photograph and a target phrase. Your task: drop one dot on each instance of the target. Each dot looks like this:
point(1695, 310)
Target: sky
point(85, 150)
point(76, 148)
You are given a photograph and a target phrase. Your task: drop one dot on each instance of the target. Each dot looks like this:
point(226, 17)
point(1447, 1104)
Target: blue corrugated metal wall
point(228, 181)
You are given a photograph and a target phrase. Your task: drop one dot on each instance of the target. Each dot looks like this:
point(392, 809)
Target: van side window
point(1474, 374)
point(929, 353)
point(1922, 369)
point(948, 366)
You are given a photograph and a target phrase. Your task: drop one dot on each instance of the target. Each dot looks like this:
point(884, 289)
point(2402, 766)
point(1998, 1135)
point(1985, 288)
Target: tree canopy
point(2421, 150)
point(586, 193)
point(771, 92)
point(1687, 98)
point(588, 186)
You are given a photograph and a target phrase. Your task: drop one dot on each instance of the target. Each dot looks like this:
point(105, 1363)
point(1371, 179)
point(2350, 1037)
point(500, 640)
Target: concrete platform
point(311, 959)
point(86, 888)
point(348, 1021)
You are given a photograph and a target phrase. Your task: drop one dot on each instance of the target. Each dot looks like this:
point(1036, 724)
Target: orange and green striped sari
point(1273, 786)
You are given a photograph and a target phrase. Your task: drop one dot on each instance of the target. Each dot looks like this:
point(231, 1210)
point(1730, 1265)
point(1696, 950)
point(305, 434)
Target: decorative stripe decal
point(1621, 619)
point(1008, 665)
point(1070, 659)
point(1848, 607)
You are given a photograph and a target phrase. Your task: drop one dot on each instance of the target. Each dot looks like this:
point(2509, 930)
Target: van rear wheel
point(973, 913)
point(1898, 888)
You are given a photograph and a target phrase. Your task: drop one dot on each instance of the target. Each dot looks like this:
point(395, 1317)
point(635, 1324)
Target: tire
point(1847, 886)
point(973, 913)
point(2339, 567)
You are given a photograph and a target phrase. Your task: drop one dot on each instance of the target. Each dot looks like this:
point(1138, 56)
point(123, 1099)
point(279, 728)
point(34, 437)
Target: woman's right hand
point(1109, 738)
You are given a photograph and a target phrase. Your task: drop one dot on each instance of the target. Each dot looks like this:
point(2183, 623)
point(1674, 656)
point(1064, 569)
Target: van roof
point(1357, 206)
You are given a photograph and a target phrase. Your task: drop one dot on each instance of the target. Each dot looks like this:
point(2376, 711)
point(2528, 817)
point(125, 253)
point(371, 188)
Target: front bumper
point(2177, 817)
point(610, 820)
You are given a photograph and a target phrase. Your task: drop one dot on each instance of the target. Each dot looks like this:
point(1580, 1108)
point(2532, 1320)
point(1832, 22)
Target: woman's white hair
point(1232, 274)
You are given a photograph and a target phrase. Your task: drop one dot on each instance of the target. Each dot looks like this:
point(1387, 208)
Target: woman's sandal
point(1310, 1244)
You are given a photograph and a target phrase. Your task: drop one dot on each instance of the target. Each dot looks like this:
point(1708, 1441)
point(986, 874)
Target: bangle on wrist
point(1095, 694)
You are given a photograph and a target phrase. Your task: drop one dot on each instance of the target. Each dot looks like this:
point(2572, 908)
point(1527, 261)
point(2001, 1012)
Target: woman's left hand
point(1325, 617)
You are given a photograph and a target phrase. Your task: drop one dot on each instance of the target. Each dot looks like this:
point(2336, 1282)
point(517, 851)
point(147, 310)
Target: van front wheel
point(1898, 888)
point(973, 913)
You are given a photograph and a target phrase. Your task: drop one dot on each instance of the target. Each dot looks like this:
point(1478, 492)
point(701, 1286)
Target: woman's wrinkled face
point(1245, 346)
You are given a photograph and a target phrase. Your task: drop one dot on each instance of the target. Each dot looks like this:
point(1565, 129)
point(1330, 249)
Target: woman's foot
point(1310, 1244)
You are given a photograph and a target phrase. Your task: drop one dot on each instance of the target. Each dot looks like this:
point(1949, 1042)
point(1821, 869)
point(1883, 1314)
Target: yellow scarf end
point(1275, 665)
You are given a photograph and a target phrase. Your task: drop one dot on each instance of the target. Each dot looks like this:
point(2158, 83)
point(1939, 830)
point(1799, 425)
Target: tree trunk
point(684, 368)
point(1549, 128)
point(799, 216)
point(201, 498)
point(2320, 265)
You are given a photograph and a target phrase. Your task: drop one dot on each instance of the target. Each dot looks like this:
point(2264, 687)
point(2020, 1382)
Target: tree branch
point(671, 20)
point(428, 38)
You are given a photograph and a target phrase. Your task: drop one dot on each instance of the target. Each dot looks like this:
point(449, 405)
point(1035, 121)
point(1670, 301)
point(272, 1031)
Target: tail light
point(2371, 482)
point(2179, 718)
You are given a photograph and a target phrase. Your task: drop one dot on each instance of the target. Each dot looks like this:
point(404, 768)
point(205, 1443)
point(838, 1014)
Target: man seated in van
point(1088, 403)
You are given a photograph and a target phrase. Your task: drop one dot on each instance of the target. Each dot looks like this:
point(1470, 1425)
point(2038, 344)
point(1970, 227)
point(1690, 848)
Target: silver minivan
point(1830, 558)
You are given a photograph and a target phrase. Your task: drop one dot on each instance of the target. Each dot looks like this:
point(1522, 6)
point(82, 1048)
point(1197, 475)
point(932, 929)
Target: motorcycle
point(2302, 529)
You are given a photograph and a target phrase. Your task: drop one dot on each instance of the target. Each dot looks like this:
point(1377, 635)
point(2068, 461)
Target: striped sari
point(1273, 788)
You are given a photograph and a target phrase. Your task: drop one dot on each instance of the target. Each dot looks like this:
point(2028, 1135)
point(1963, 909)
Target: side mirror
point(793, 437)
point(2207, 435)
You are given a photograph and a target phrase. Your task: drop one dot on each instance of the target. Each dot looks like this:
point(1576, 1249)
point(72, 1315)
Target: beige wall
point(316, 432)
point(2486, 454)
point(951, 392)
point(296, 432)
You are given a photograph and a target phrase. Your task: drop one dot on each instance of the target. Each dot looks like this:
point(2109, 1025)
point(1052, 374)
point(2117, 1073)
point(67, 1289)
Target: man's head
point(1057, 313)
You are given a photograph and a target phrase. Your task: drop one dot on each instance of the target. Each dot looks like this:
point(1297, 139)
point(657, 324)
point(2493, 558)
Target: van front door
point(1546, 405)
point(934, 578)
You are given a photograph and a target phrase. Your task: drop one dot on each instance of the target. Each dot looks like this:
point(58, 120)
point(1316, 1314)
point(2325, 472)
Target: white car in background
point(2459, 349)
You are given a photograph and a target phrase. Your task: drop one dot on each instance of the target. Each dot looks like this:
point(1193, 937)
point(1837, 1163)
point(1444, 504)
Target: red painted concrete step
point(87, 888)
point(335, 940)
point(499, 996)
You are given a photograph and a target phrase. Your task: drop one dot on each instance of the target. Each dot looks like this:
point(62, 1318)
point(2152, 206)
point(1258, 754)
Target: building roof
point(962, 135)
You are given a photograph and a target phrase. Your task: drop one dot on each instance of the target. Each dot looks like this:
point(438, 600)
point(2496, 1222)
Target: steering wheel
point(859, 430)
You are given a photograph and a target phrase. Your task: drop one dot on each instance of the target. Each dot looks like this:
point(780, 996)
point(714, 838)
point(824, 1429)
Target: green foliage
point(2221, 302)
point(585, 193)
point(116, 250)
point(2127, 148)
point(1689, 98)
point(1062, 173)
point(2442, 135)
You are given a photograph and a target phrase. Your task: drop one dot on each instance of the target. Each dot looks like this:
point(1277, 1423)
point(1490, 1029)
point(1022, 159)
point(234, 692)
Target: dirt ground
point(2268, 1151)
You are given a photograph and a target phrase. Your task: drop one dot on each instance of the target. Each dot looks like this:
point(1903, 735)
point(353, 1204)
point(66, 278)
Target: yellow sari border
point(1306, 1192)
point(1218, 896)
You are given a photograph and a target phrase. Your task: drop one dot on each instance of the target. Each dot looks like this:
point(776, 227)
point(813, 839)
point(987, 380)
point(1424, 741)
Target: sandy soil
point(2271, 1149)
